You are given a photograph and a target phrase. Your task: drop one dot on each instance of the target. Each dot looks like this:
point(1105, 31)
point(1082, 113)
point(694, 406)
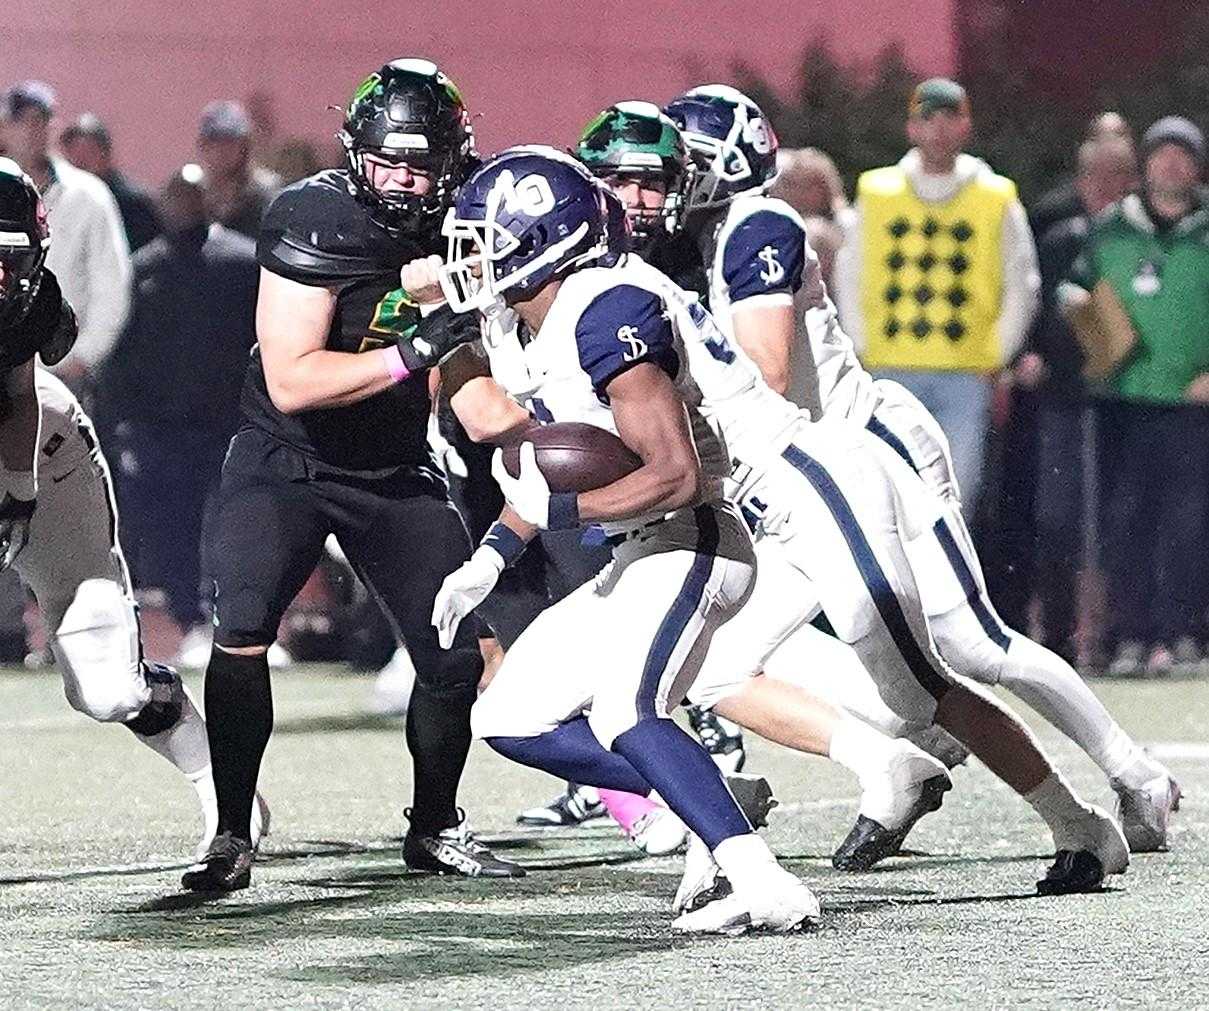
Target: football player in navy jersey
point(334, 441)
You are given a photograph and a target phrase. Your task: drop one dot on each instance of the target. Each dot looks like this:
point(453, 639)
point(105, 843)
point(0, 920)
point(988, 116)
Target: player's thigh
point(666, 609)
point(782, 600)
point(403, 555)
point(268, 534)
point(550, 673)
point(73, 538)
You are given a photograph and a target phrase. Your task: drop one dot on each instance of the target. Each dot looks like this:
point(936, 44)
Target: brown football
point(574, 457)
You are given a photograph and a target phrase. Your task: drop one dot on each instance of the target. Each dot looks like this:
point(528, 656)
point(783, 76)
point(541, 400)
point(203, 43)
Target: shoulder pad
point(315, 232)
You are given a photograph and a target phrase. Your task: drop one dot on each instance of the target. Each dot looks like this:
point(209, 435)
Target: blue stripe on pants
point(969, 585)
point(681, 612)
point(884, 599)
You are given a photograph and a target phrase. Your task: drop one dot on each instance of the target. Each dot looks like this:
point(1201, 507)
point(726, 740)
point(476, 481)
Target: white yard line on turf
point(1180, 750)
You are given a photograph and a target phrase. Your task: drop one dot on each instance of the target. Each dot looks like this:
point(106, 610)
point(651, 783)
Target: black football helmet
point(24, 239)
point(409, 112)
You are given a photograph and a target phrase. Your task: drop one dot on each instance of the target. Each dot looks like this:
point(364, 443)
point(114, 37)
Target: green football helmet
point(636, 141)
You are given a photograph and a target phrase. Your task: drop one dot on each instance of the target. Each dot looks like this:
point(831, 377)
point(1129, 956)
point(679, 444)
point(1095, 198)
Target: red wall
point(532, 71)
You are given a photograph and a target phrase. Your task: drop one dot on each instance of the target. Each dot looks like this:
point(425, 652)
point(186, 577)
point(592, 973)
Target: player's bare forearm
point(19, 420)
point(652, 420)
point(292, 324)
point(525, 531)
point(323, 378)
point(766, 333)
point(486, 412)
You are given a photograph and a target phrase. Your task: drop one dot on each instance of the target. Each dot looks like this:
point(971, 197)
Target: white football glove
point(463, 590)
point(529, 494)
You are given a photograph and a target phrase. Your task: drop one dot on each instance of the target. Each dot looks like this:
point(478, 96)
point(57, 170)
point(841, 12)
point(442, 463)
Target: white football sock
point(184, 744)
point(744, 859)
point(1058, 806)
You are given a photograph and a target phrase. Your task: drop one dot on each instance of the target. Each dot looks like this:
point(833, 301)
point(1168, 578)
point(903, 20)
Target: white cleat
point(1145, 812)
point(700, 875)
point(393, 686)
point(778, 903)
point(659, 832)
point(1100, 835)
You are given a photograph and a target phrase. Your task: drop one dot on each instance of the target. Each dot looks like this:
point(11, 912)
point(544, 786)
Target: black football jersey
point(315, 232)
point(680, 258)
point(49, 327)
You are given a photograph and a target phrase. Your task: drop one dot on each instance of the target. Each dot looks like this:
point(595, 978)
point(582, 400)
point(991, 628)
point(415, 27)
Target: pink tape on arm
point(394, 364)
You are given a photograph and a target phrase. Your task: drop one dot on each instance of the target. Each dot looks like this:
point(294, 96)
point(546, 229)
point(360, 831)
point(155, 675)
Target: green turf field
point(95, 829)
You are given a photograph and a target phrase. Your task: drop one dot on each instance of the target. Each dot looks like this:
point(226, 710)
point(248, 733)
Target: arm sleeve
point(108, 266)
point(764, 255)
point(1021, 281)
point(846, 278)
point(623, 327)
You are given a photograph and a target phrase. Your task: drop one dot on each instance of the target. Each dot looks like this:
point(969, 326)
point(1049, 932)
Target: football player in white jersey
point(586, 692)
point(865, 504)
point(58, 521)
point(753, 302)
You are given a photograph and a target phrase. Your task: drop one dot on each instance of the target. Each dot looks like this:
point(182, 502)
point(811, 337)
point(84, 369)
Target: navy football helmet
point(524, 217)
point(731, 143)
point(24, 240)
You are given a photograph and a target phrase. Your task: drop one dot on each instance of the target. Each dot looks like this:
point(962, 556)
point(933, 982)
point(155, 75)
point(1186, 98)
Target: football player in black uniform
point(334, 441)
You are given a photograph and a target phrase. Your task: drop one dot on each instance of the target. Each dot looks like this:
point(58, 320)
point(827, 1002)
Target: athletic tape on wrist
point(503, 539)
point(395, 368)
point(563, 511)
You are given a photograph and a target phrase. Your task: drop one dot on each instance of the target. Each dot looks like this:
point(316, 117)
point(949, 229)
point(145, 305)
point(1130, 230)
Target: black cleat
point(1073, 871)
point(454, 850)
point(721, 738)
point(226, 867)
point(754, 796)
point(870, 842)
point(574, 806)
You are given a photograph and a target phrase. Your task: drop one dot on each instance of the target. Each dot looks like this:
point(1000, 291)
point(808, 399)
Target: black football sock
point(438, 736)
point(239, 720)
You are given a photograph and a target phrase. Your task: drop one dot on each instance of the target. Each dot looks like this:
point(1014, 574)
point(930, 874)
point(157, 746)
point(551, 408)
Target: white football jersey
point(604, 320)
point(762, 256)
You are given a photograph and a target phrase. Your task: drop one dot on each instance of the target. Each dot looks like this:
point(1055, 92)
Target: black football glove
point(15, 516)
point(437, 335)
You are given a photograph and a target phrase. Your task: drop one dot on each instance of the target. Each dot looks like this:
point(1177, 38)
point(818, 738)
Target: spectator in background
point(88, 251)
point(87, 145)
point(1152, 250)
point(937, 280)
point(1063, 201)
point(238, 190)
point(1041, 519)
point(809, 182)
point(171, 392)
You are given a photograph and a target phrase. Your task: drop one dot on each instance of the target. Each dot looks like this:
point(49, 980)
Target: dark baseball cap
point(29, 95)
point(224, 120)
point(936, 94)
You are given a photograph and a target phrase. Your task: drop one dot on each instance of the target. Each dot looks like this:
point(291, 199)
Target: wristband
point(393, 360)
point(563, 511)
point(505, 541)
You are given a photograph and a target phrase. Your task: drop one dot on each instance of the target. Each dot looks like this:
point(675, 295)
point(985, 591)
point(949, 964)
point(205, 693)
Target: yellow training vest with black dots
point(932, 275)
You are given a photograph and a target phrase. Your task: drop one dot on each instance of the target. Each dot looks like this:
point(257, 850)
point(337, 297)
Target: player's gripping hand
point(15, 516)
point(529, 493)
point(421, 279)
point(437, 335)
point(463, 590)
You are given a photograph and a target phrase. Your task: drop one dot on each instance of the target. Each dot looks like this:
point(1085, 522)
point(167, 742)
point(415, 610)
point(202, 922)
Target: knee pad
point(449, 674)
point(97, 646)
point(164, 707)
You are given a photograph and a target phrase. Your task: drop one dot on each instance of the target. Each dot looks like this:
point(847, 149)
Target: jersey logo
point(775, 273)
point(628, 335)
point(396, 314)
